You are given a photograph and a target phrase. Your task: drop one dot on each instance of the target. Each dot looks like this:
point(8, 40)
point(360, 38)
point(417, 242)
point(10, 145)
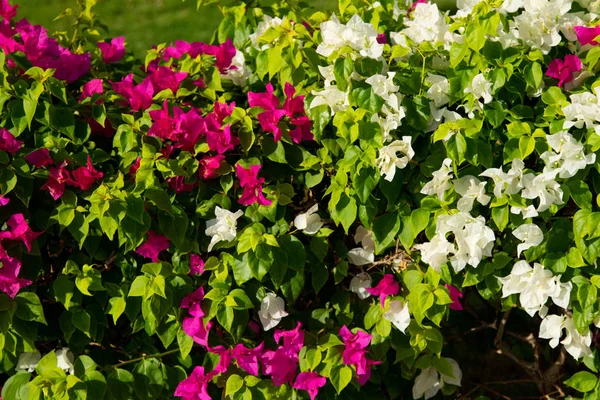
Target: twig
point(145, 356)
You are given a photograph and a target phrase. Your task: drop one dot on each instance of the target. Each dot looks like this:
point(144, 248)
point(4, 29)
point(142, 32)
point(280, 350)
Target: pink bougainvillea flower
point(386, 287)
point(90, 88)
point(311, 382)
point(252, 185)
point(194, 327)
point(225, 358)
point(4, 200)
point(279, 365)
point(209, 165)
point(57, 178)
point(220, 140)
point(414, 5)
point(302, 131)
point(586, 35)
point(193, 302)
point(20, 230)
point(7, 11)
point(165, 78)
point(138, 96)
point(293, 105)
point(194, 386)
point(8, 143)
point(381, 39)
point(223, 53)
point(165, 126)
point(70, 67)
point(355, 343)
point(107, 130)
point(153, 246)
point(293, 340)
point(178, 184)
point(10, 283)
point(269, 119)
point(196, 265)
point(191, 128)
point(85, 177)
point(563, 70)
point(455, 295)
point(113, 50)
point(39, 158)
point(363, 370)
point(247, 359)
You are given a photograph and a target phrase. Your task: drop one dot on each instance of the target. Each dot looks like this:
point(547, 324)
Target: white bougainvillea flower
point(366, 254)
point(356, 34)
point(398, 314)
point(223, 228)
point(238, 75)
point(310, 222)
point(474, 240)
point(568, 156)
point(382, 85)
point(435, 253)
point(543, 187)
point(440, 181)
point(584, 110)
point(439, 91)
point(28, 361)
point(527, 212)
point(470, 189)
point(530, 234)
point(272, 311)
point(65, 359)
point(427, 24)
point(534, 286)
point(388, 160)
point(261, 29)
point(506, 182)
point(331, 96)
point(481, 88)
point(430, 381)
point(576, 344)
point(327, 74)
point(359, 285)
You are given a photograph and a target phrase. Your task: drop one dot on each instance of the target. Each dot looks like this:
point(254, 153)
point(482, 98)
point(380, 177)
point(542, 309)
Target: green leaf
point(342, 70)
point(29, 307)
point(364, 181)
point(385, 229)
point(185, 343)
point(234, 384)
point(365, 98)
point(340, 377)
point(120, 384)
point(13, 385)
point(580, 193)
point(275, 61)
point(116, 307)
point(582, 381)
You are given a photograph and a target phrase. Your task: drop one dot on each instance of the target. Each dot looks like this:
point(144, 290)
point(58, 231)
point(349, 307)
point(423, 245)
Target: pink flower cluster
point(153, 246)
point(8, 142)
point(223, 53)
point(252, 185)
point(280, 364)
point(386, 287)
point(293, 107)
point(41, 50)
point(19, 230)
point(355, 353)
point(113, 50)
point(59, 176)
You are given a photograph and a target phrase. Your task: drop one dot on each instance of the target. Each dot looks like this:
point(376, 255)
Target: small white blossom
point(223, 228)
point(527, 212)
point(439, 91)
point(568, 156)
point(327, 73)
point(366, 254)
point(430, 381)
point(509, 182)
point(576, 344)
point(383, 86)
point(542, 187)
point(440, 181)
point(481, 88)
point(398, 314)
point(310, 222)
point(65, 359)
point(331, 96)
point(261, 29)
point(272, 311)
point(530, 234)
point(583, 110)
point(388, 160)
point(28, 361)
point(470, 189)
point(435, 253)
point(356, 34)
point(427, 24)
point(359, 285)
point(534, 286)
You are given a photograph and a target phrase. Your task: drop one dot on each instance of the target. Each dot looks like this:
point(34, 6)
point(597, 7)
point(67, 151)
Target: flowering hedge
point(358, 204)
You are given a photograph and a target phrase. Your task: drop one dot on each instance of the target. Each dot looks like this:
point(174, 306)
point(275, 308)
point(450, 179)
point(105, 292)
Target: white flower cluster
point(392, 110)
point(388, 159)
point(430, 381)
point(356, 34)
point(426, 24)
point(584, 110)
point(567, 156)
point(262, 28)
point(576, 344)
point(366, 253)
point(534, 286)
point(223, 228)
point(473, 241)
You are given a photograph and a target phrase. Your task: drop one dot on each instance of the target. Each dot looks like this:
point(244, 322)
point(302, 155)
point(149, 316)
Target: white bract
point(534, 286)
point(359, 285)
point(310, 222)
point(366, 254)
point(543, 187)
point(439, 91)
point(427, 24)
point(568, 156)
point(584, 110)
point(261, 29)
point(530, 234)
point(506, 182)
point(576, 344)
point(480, 88)
point(223, 228)
point(331, 96)
point(65, 359)
point(430, 381)
point(398, 314)
point(470, 189)
point(28, 361)
point(238, 75)
point(388, 160)
point(440, 182)
point(356, 34)
point(272, 311)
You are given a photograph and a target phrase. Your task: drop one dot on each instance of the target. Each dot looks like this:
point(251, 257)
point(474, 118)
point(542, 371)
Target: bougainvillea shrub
point(387, 201)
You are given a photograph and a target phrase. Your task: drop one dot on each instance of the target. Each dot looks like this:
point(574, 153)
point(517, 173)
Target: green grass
point(143, 22)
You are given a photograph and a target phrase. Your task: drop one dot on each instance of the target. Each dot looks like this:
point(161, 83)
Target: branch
point(145, 356)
